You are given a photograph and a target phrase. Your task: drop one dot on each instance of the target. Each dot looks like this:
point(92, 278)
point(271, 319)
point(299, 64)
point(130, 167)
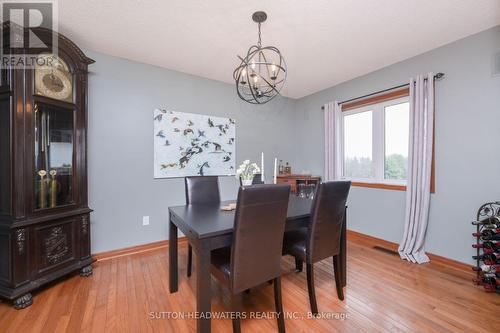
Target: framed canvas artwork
point(188, 144)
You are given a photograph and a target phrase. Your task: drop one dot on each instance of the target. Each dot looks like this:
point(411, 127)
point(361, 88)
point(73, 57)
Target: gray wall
point(467, 143)
point(123, 95)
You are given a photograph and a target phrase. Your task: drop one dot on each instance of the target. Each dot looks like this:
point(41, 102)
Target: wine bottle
point(488, 220)
point(487, 268)
point(491, 226)
point(489, 275)
point(488, 281)
point(486, 233)
point(487, 256)
point(487, 260)
point(490, 268)
point(288, 169)
point(494, 237)
point(487, 245)
point(492, 287)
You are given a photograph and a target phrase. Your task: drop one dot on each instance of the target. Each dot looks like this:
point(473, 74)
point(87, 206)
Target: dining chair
point(255, 254)
point(200, 190)
point(321, 238)
point(257, 179)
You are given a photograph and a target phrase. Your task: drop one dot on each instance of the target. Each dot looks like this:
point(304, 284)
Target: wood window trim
point(379, 99)
point(380, 186)
point(394, 187)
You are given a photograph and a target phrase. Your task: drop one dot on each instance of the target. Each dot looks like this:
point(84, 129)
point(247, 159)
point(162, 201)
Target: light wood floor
point(384, 294)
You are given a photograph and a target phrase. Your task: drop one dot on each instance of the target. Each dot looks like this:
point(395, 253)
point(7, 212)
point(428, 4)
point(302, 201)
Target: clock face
point(53, 79)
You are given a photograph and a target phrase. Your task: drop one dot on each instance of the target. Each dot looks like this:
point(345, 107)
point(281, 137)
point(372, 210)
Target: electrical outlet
point(145, 220)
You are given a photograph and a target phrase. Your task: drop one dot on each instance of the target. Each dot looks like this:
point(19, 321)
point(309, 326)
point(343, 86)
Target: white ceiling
point(324, 42)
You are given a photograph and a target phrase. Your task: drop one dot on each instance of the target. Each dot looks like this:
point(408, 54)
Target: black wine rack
point(487, 210)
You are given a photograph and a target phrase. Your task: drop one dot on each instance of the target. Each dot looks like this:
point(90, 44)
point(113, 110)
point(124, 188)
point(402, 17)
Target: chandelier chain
point(259, 43)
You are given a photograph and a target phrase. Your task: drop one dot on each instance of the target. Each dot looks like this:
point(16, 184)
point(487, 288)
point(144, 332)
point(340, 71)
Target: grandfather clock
point(44, 213)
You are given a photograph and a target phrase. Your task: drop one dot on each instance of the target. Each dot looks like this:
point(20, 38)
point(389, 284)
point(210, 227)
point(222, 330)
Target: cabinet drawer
point(286, 181)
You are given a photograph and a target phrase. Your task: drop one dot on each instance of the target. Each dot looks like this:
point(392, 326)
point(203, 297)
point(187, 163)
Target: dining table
point(208, 227)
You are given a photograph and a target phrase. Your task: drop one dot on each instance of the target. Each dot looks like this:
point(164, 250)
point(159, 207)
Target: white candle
point(275, 170)
point(262, 167)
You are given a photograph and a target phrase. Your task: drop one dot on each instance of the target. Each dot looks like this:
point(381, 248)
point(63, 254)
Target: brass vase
point(42, 194)
point(53, 189)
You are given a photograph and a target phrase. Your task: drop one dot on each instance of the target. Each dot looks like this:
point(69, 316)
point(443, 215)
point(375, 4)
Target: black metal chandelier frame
point(251, 70)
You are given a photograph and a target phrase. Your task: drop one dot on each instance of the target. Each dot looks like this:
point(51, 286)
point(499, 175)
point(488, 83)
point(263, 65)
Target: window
point(396, 122)
point(358, 151)
point(375, 143)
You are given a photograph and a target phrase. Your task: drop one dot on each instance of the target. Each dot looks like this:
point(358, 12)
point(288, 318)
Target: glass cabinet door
point(54, 135)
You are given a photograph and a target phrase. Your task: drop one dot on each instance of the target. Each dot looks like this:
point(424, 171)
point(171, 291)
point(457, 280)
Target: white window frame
point(378, 141)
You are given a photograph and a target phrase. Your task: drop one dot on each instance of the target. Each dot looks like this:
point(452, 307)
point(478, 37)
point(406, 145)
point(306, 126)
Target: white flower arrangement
point(247, 170)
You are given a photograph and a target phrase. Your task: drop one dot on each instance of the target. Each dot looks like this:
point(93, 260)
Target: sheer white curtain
point(418, 188)
point(332, 141)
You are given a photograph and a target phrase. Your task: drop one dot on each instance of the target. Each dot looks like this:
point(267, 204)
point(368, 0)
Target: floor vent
point(388, 251)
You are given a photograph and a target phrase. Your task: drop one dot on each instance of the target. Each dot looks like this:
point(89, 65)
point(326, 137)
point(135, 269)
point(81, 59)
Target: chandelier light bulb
point(243, 77)
point(273, 72)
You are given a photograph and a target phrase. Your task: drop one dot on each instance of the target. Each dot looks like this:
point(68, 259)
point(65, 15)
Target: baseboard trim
point(351, 236)
point(374, 241)
point(134, 250)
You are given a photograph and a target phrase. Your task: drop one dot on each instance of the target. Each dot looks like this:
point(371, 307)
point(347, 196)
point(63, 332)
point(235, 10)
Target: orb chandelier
point(262, 72)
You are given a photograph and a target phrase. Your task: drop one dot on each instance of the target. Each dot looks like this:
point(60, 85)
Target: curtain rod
point(436, 77)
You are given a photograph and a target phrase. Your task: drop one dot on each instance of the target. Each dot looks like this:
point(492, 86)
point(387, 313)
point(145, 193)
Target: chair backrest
point(327, 216)
point(258, 235)
point(257, 179)
point(202, 189)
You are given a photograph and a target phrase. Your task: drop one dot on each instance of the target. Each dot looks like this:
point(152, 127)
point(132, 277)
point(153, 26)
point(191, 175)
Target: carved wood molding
point(56, 245)
point(21, 241)
point(85, 224)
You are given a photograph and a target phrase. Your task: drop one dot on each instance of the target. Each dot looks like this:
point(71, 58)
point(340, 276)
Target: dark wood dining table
point(207, 227)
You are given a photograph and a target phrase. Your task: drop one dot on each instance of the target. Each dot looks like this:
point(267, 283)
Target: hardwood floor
point(383, 294)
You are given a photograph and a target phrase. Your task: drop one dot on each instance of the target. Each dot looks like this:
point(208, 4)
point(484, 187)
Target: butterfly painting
point(188, 144)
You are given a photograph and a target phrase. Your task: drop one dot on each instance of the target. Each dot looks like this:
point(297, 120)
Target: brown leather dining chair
point(255, 254)
point(257, 179)
point(321, 239)
point(200, 190)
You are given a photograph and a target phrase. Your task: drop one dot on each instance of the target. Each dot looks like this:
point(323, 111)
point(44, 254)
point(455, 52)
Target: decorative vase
point(53, 189)
point(42, 194)
point(246, 182)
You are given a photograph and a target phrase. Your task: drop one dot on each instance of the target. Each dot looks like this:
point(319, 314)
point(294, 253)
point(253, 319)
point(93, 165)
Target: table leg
point(172, 257)
point(343, 250)
point(203, 287)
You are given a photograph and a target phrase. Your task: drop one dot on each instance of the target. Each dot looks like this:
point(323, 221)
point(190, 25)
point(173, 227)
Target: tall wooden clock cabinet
point(44, 213)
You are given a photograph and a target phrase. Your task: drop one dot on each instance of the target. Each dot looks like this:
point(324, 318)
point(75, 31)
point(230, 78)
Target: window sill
point(387, 186)
point(380, 186)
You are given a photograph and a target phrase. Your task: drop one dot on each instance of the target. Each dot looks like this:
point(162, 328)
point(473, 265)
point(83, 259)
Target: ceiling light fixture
point(262, 73)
